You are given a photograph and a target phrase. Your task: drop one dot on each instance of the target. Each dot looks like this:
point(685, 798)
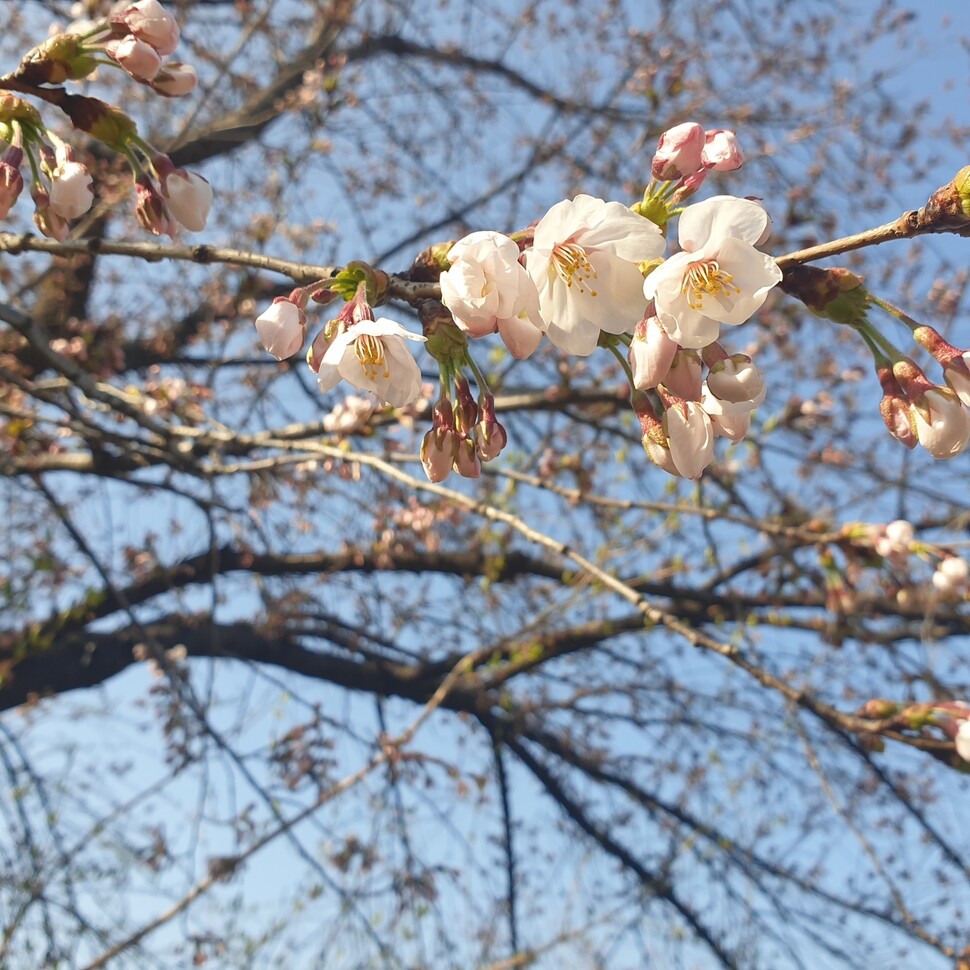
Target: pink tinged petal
point(189, 196)
point(718, 217)
point(139, 59)
point(684, 378)
point(281, 329)
point(678, 152)
point(732, 426)
point(738, 381)
point(722, 151)
point(520, 336)
point(439, 449)
point(651, 354)
point(175, 80)
point(579, 342)
point(328, 377)
point(468, 464)
point(942, 423)
point(71, 194)
point(691, 438)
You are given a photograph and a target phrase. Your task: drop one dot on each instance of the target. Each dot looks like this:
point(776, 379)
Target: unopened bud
point(835, 294)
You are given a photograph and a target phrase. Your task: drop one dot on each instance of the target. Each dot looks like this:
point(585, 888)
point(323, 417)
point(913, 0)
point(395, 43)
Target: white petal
point(718, 217)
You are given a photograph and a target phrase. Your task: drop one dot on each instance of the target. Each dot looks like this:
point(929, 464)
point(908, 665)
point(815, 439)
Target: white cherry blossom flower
point(942, 422)
point(584, 264)
point(691, 438)
point(373, 356)
point(149, 21)
point(719, 277)
point(487, 290)
point(737, 384)
point(281, 328)
point(189, 197)
point(651, 353)
point(71, 194)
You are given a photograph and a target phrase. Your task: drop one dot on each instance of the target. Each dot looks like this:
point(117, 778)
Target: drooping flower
point(282, 328)
point(373, 356)
point(690, 436)
point(189, 197)
point(737, 384)
point(719, 277)
point(942, 422)
point(71, 194)
point(651, 353)
point(487, 290)
point(583, 261)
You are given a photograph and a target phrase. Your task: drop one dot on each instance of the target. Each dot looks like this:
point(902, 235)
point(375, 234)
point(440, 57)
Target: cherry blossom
point(150, 22)
point(487, 290)
point(721, 151)
point(691, 438)
point(941, 421)
point(651, 353)
point(737, 384)
point(139, 59)
point(584, 264)
point(719, 277)
point(678, 153)
point(281, 328)
point(71, 194)
point(373, 356)
point(189, 197)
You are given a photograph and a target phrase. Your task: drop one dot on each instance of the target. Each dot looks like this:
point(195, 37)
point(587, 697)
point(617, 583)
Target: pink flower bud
point(281, 328)
point(150, 210)
point(895, 409)
point(651, 353)
point(467, 463)
point(46, 219)
point(691, 437)
point(175, 80)
point(490, 437)
point(189, 197)
point(11, 185)
point(721, 151)
point(71, 195)
point(678, 153)
point(140, 60)
point(683, 380)
point(149, 21)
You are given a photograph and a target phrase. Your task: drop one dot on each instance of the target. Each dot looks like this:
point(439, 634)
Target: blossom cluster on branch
point(135, 38)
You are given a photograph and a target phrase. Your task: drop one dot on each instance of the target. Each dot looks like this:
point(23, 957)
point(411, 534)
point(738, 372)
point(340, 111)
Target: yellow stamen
point(706, 276)
point(573, 266)
point(370, 353)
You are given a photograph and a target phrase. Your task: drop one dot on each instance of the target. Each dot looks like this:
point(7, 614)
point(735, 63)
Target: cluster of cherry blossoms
point(135, 37)
point(590, 273)
point(595, 274)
